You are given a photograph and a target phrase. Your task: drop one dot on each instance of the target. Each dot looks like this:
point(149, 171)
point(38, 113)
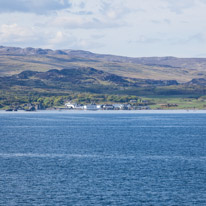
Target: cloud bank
point(35, 6)
point(130, 28)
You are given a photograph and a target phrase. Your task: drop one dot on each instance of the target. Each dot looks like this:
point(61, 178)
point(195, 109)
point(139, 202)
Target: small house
point(90, 107)
point(108, 107)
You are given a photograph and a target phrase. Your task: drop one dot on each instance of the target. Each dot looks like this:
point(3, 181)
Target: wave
point(51, 155)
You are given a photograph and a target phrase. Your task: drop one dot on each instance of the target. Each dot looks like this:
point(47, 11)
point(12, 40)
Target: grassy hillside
point(86, 85)
point(49, 77)
point(15, 60)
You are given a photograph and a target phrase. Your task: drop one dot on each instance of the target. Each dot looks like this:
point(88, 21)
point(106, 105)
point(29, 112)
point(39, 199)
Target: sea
point(102, 158)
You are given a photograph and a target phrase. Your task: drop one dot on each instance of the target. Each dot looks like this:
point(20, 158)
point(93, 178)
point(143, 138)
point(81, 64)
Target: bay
point(91, 158)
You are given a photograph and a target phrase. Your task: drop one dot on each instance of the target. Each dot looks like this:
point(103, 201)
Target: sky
point(135, 28)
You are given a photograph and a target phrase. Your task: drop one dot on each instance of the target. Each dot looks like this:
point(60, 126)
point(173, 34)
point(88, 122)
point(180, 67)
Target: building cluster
point(94, 106)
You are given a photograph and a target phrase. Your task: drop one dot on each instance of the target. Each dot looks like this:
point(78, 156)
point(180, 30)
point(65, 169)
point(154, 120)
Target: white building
point(118, 106)
point(70, 105)
point(122, 106)
point(90, 107)
point(99, 106)
point(73, 105)
point(129, 106)
point(108, 107)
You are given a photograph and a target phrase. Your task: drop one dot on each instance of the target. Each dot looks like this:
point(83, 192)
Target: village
point(93, 106)
point(66, 104)
point(69, 105)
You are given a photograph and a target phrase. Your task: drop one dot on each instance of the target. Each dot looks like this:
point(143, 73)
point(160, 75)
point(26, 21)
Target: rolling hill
point(49, 77)
point(80, 79)
point(14, 60)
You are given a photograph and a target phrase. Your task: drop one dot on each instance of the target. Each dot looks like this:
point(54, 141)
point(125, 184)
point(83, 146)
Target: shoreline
point(182, 111)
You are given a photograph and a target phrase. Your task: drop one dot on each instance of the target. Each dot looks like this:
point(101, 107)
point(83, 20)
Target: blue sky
point(133, 28)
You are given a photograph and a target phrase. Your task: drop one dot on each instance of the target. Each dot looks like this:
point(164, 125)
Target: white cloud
point(23, 36)
point(63, 40)
point(35, 6)
point(93, 15)
point(160, 27)
point(15, 33)
point(84, 22)
point(59, 38)
point(179, 6)
point(197, 38)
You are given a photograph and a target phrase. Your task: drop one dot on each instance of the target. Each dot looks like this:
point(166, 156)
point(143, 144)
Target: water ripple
point(37, 155)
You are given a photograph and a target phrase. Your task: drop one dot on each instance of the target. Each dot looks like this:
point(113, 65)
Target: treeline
point(12, 100)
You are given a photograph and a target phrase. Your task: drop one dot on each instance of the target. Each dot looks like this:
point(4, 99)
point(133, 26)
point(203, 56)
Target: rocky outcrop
point(200, 82)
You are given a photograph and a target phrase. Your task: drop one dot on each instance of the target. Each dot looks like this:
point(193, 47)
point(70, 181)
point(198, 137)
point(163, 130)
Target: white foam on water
point(163, 157)
point(47, 155)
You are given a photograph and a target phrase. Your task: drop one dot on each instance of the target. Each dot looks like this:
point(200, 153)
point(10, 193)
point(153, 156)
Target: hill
point(50, 77)
point(79, 79)
point(14, 60)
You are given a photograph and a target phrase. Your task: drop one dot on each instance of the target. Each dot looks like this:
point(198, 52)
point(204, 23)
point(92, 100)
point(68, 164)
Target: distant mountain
point(14, 60)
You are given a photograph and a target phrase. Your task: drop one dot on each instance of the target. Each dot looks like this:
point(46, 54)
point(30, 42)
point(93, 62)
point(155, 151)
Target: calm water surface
point(102, 159)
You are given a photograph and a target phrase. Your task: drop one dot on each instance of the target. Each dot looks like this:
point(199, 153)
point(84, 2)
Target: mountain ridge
point(82, 76)
point(14, 60)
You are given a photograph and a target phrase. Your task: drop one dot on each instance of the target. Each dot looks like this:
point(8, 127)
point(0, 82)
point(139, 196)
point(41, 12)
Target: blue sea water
point(57, 159)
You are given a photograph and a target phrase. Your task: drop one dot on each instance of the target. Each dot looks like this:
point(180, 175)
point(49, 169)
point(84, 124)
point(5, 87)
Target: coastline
point(182, 111)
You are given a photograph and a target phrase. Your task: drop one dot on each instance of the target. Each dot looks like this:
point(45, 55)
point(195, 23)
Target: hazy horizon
point(101, 53)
